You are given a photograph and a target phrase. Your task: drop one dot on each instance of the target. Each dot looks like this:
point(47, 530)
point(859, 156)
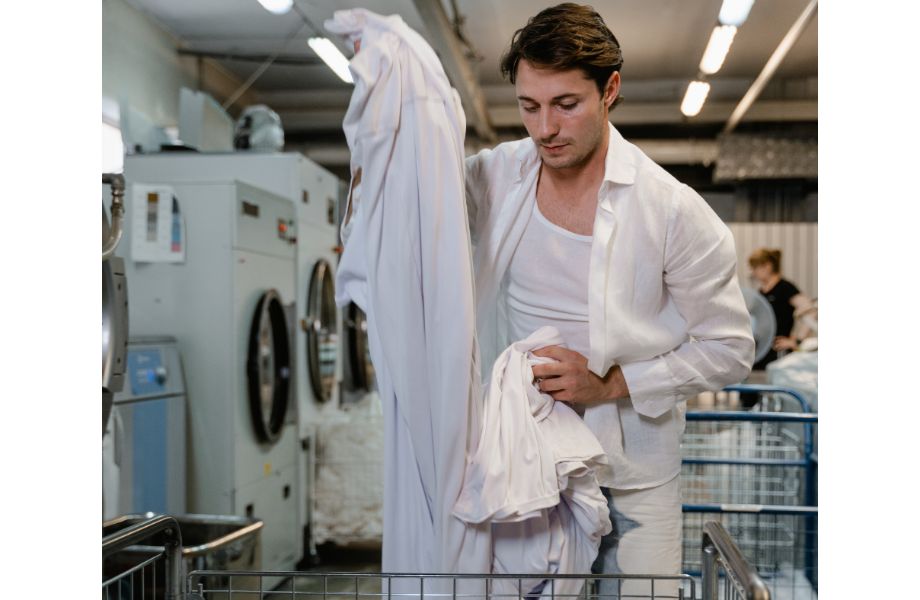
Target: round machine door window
point(321, 329)
point(268, 367)
point(362, 369)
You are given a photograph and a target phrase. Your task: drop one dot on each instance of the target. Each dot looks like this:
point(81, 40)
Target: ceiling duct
point(746, 156)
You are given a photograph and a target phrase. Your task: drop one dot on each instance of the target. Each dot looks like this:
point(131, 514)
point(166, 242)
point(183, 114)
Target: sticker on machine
point(157, 224)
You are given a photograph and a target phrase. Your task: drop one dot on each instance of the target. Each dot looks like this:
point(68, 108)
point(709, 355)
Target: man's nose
point(548, 127)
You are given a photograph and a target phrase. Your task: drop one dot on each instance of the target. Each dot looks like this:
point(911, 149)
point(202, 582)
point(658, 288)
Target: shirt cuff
point(651, 385)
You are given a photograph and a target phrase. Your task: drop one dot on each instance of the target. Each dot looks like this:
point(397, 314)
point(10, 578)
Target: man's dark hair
point(567, 36)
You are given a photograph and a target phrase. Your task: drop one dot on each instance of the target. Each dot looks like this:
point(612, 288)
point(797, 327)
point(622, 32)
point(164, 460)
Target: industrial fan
point(763, 321)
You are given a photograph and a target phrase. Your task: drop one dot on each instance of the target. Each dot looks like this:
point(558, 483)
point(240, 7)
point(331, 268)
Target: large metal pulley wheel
point(268, 367)
point(321, 328)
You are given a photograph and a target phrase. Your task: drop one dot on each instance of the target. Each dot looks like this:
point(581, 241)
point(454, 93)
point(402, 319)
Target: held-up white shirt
point(407, 263)
point(663, 298)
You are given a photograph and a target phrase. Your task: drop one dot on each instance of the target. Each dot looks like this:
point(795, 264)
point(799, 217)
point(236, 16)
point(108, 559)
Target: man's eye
point(530, 109)
point(568, 106)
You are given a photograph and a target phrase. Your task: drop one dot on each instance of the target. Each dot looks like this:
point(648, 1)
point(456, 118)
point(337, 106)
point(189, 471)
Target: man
point(575, 227)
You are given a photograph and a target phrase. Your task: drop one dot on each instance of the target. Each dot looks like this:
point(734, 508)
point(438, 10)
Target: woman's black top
point(778, 297)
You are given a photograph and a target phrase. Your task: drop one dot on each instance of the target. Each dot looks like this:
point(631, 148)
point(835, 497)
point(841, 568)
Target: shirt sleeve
point(477, 192)
point(700, 277)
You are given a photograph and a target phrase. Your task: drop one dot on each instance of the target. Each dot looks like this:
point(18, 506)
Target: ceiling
point(662, 41)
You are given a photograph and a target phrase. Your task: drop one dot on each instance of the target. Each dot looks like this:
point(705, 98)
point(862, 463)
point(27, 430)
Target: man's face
point(564, 113)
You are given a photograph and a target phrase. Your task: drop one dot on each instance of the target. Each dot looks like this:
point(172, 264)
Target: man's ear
point(612, 89)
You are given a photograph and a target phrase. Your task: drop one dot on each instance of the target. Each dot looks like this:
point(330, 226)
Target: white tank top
point(548, 283)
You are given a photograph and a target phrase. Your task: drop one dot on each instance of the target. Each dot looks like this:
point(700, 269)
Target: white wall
point(798, 242)
point(140, 65)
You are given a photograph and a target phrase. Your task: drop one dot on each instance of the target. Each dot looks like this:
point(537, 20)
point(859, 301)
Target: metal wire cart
point(750, 531)
point(726, 576)
point(755, 471)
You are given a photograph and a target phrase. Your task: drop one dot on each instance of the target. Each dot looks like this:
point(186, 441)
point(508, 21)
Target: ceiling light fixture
point(278, 7)
point(333, 58)
point(717, 49)
point(694, 98)
point(734, 12)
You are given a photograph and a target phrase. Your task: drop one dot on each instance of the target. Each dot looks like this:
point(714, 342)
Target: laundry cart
point(754, 470)
point(727, 575)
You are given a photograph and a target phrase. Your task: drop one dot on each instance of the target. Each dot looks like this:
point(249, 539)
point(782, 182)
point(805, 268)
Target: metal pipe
point(752, 417)
point(117, 183)
point(769, 69)
point(244, 87)
point(297, 61)
point(445, 43)
point(717, 542)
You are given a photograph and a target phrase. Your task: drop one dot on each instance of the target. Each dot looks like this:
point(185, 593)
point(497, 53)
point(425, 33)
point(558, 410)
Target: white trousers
point(646, 540)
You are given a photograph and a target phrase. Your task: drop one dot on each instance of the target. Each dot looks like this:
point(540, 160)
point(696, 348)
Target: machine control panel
point(146, 372)
point(287, 230)
point(265, 223)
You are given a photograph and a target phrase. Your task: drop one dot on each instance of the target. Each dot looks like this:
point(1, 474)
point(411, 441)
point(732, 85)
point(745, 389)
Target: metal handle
point(117, 182)
point(130, 536)
point(717, 544)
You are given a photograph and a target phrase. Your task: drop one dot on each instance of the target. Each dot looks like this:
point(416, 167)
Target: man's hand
point(569, 380)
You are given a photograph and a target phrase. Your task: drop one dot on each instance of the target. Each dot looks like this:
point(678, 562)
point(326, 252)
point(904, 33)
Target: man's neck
point(574, 182)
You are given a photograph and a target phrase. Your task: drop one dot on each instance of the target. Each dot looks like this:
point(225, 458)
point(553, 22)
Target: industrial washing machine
point(317, 339)
point(212, 263)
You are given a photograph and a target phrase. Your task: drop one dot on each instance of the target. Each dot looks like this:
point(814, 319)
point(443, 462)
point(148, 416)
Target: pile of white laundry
point(347, 492)
point(532, 475)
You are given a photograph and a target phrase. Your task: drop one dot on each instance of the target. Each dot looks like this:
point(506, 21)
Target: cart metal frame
point(725, 565)
point(755, 471)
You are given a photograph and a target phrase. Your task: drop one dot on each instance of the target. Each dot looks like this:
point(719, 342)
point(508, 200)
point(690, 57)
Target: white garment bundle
point(407, 264)
point(532, 474)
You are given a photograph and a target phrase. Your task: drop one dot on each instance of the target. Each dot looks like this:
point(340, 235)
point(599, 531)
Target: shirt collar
point(619, 164)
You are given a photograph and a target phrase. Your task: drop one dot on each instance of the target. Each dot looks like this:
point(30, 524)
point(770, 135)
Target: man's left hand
point(570, 380)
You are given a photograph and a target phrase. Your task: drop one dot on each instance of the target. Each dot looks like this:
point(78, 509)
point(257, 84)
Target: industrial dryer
point(212, 263)
point(313, 191)
point(316, 342)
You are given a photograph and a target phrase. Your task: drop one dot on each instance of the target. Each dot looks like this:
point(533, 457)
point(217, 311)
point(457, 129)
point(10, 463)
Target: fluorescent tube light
point(717, 49)
point(734, 12)
point(278, 7)
point(334, 59)
point(694, 98)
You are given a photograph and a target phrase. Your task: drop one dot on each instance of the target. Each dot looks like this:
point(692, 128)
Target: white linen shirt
point(663, 301)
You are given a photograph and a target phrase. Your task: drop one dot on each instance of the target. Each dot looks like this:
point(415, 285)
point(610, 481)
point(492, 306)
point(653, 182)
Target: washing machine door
point(359, 359)
point(320, 326)
point(114, 327)
point(268, 367)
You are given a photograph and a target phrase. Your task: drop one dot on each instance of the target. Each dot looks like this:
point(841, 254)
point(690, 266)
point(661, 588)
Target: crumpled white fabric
point(533, 475)
point(407, 264)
